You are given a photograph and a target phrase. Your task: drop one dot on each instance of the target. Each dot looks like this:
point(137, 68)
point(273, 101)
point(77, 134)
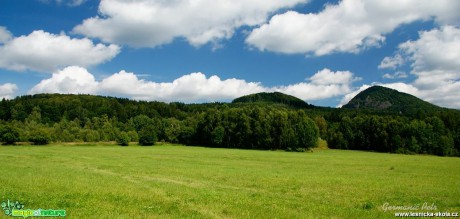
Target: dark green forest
point(271, 124)
point(275, 97)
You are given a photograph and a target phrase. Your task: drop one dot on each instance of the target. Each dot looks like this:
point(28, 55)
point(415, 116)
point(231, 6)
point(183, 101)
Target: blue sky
point(323, 52)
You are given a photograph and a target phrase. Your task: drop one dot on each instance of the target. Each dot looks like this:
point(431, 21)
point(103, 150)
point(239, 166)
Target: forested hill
point(55, 107)
point(275, 97)
point(382, 98)
point(260, 121)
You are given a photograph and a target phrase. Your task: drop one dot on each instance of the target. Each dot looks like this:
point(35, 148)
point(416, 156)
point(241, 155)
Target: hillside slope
point(275, 97)
point(382, 98)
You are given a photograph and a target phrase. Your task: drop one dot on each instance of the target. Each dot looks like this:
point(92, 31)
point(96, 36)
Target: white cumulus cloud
point(349, 26)
point(324, 84)
point(5, 35)
point(193, 87)
point(434, 61)
point(436, 51)
point(8, 90)
point(392, 62)
point(46, 52)
point(396, 75)
point(150, 23)
point(71, 80)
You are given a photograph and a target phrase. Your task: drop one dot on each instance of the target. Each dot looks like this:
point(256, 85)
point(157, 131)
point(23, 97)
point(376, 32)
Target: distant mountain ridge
point(382, 98)
point(275, 97)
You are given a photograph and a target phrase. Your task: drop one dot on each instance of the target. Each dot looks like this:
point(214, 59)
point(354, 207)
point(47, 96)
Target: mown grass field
point(194, 182)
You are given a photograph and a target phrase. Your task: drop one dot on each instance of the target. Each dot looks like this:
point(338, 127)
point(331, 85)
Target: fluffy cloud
point(350, 26)
point(194, 87)
point(396, 75)
point(324, 84)
point(46, 52)
point(434, 61)
point(447, 94)
point(392, 62)
point(7, 90)
point(71, 80)
point(150, 23)
point(436, 52)
point(5, 35)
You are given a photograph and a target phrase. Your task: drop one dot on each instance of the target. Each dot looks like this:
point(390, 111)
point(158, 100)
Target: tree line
point(45, 118)
point(243, 127)
point(392, 134)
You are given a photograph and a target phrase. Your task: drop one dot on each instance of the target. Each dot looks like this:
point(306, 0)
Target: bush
point(133, 135)
point(147, 136)
point(123, 139)
point(90, 135)
point(9, 135)
point(40, 137)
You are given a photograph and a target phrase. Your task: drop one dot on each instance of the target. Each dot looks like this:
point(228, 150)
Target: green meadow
point(167, 181)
